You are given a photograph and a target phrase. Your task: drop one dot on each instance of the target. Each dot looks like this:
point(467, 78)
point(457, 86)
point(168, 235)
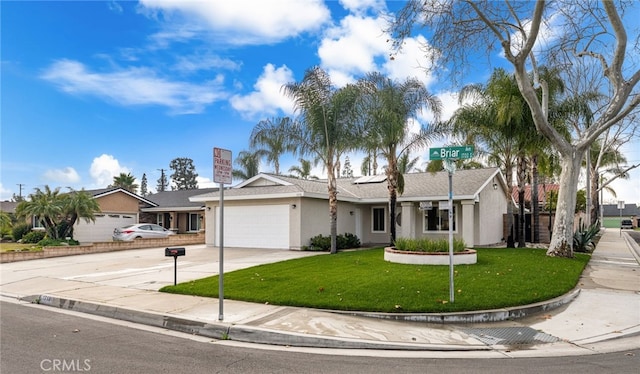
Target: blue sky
point(91, 89)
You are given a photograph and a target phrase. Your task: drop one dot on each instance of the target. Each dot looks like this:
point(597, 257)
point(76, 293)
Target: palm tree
point(326, 129)
point(78, 205)
point(304, 170)
point(485, 124)
point(389, 105)
point(46, 206)
point(269, 141)
point(249, 163)
point(126, 181)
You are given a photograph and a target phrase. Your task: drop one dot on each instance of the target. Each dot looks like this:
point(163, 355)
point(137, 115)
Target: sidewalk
point(602, 314)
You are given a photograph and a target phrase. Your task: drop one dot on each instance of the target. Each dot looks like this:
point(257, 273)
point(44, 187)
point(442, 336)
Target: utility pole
point(162, 182)
point(20, 185)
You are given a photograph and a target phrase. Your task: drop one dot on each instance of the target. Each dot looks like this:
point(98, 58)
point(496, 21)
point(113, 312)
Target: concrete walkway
point(601, 315)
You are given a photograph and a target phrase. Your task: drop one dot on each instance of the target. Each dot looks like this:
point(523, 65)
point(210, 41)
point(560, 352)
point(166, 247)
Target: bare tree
point(527, 32)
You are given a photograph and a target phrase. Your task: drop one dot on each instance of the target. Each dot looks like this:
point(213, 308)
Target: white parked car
point(140, 231)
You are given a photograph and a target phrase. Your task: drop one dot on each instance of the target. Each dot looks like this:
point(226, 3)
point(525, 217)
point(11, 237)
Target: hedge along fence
point(100, 247)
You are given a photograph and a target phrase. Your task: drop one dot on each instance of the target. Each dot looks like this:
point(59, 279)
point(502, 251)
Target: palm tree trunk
point(534, 199)
point(333, 208)
point(522, 168)
point(510, 242)
point(393, 197)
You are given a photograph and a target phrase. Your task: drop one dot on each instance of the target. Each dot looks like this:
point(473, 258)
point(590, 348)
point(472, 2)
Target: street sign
point(222, 168)
point(451, 153)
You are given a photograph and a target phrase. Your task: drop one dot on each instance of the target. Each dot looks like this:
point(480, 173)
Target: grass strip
point(361, 280)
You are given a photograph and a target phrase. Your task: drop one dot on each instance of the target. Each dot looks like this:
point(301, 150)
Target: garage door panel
point(102, 229)
point(262, 226)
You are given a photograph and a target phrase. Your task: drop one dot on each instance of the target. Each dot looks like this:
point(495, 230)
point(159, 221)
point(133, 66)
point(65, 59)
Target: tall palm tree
point(249, 163)
point(304, 170)
point(389, 105)
point(327, 128)
point(78, 205)
point(46, 206)
point(269, 141)
point(126, 181)
point(486, 124)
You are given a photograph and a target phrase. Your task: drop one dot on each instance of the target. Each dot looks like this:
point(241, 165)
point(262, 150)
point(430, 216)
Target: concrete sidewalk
point(601, 315)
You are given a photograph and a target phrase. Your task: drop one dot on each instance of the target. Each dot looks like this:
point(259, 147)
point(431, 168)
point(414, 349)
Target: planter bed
point(466, 257)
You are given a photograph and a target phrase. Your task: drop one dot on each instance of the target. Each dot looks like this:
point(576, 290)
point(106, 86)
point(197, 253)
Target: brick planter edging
point(101, 247)
point(466, 257)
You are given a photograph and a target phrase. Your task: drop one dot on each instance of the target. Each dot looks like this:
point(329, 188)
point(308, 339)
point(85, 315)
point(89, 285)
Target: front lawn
point(362, 280)
point(19, 247)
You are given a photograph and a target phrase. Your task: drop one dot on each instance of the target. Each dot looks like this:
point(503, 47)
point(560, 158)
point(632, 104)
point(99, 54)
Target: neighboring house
point(118, 207)
point(174, 211)
point(8, 207)
point(275, 211)
point(630, 211)
point(543, 191)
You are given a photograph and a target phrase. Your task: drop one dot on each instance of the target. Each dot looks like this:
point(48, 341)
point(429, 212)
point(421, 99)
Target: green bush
point(33, 237)
point(19, 230)
point(48, 242)
point(323, 243)
point(584, 239)
point(428, 245)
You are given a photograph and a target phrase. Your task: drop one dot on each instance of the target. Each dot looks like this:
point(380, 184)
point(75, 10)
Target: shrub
point(33, 237)
point(48, 242)
point(19, 230)
point(323, 243)
point(428, 245)
point(584, 239)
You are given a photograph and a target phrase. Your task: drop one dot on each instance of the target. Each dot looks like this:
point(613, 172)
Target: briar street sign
point(451, 153)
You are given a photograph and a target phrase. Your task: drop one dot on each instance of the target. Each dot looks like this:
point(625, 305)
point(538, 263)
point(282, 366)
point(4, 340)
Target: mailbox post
point(174, 252)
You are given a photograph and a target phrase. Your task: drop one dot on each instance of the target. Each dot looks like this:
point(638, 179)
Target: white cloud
point(204, 182)
point(352, 47)
point(5, 194)
point(66, 175)
point(411, 61)
point(197, 62)
point(104, 168)
point(134, 86)
point(244, 22)
point(267, 97)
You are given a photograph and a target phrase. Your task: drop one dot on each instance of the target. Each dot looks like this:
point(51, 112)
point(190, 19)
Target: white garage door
point(261, 226)
point(102, 229)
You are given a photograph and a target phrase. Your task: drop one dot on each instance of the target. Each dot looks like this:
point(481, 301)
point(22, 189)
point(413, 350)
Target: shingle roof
point(542, 188)
point(611, 210)
point(8, 206)
point(179, 198)
point(418, 186)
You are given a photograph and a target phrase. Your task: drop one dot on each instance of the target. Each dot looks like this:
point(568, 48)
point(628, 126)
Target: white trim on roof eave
point(263, 176)
point(120, 189)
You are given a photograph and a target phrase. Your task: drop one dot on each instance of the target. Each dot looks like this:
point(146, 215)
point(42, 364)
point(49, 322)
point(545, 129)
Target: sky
point(92, 89)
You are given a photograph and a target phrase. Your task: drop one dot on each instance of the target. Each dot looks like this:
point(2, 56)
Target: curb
point(240, 333)
point(257, 335)
point(494, 315)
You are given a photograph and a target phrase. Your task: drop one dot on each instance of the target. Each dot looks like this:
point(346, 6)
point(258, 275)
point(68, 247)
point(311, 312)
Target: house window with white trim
point(160, 219)
point(36, 223)
point(378, 219)
point(436, 217)
point(194, 221)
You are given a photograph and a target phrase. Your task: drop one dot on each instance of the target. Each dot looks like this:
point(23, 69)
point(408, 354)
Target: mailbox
point(175, 252)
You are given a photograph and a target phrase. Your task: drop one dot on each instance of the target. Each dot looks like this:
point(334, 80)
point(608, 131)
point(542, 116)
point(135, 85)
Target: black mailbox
point(175, 252)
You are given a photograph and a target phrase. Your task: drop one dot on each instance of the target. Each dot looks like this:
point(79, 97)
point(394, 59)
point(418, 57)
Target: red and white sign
point(222, 168)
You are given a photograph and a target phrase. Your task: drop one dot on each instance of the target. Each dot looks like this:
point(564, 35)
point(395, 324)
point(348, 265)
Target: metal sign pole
point(450, 168)
point(221, 260)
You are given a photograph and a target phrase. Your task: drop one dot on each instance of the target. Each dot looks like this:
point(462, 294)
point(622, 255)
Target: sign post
point(448, 155)
point(620, 207)
point(222, 174)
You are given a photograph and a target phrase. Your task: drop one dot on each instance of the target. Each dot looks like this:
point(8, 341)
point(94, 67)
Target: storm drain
point(511, 336)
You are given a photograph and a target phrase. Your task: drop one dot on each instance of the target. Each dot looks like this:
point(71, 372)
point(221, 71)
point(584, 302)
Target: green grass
point(362, 280)
point(19, 247)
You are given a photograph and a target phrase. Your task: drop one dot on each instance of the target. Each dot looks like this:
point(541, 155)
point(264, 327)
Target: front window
point(436, 217)
point(36, 223)
point(194, 221)
point(378, 219)
point(160, 219)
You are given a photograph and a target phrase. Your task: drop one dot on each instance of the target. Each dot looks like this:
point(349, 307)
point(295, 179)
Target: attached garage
point(102, 229)
point(255, 226)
